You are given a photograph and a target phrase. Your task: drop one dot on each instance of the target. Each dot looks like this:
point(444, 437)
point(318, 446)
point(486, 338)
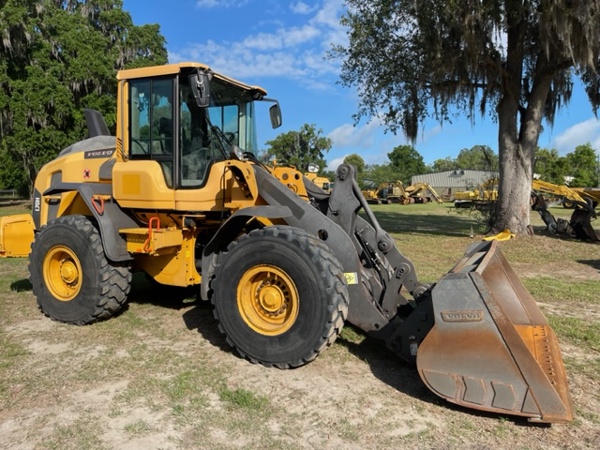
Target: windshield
point(227, 123)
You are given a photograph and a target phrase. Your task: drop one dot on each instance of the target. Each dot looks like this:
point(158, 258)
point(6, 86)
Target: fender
point(229, 231)
point(110, 217)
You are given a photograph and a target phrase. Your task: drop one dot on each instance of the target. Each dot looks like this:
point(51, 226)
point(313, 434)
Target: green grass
point(164, 356)
point(138, 428)
point(82, 434)
point(243, 398)
point(582, 333)
point(564, 290)
point(14, 210)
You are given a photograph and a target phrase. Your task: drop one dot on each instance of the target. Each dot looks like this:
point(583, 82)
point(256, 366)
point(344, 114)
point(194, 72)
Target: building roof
point(459, 178)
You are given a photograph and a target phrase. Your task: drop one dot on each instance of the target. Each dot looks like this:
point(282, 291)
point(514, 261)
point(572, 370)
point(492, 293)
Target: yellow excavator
point(179, 194)
point(423, 193)
point(587, 193)
point(580, 223)
point(396, 192)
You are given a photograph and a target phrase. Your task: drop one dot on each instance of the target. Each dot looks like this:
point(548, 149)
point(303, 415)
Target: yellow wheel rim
point(62, 273)
point(268, 300)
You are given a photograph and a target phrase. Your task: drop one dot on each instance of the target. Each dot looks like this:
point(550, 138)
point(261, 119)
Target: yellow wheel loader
point(322, 182)
point(179, 195)
point(479, 197)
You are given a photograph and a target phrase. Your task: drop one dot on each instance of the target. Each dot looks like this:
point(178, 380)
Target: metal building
point(450, 181)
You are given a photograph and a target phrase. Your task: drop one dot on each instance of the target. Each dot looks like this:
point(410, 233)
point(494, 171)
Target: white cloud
point(282, 38)
point(334, 163)
point(296, 51)
point(427, 134)
point(348, 135)
point(366, 141)
point(302, 8)
point(295, 37)
point(329, 14)
point(579, 134)
point(262, 42)
point(220, 3)
point(241, 62)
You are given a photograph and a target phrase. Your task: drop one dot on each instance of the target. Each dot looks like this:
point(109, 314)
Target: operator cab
point(188, 120)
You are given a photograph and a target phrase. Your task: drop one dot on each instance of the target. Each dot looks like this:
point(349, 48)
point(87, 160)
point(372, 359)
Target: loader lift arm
point(579, 225)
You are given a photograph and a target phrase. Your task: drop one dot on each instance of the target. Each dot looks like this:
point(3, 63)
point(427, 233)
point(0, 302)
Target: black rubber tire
point(568, 205)
point(321, 287)
point(103, 286)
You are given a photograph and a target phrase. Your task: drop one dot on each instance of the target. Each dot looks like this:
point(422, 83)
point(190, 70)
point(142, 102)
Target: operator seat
point(196, 162)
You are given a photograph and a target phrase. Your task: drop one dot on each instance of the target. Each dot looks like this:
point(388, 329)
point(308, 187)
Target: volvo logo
point(466, 315)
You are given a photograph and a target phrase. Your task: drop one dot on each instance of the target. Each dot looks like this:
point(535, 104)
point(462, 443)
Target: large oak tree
point(299, 148)
point(406, 161)
point(56, 58)
point(514, 59)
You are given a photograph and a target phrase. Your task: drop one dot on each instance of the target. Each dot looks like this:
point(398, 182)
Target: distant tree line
point(406, 161)
point(299, 148)
point(582, 164)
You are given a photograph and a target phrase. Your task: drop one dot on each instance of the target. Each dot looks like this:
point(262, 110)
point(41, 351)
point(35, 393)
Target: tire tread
point(115, 279)
point(321, 257)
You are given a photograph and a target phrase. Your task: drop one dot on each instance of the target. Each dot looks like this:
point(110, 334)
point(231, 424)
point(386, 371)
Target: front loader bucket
point(491, 347)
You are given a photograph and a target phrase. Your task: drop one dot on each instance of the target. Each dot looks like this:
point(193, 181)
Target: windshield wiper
point(223, 144)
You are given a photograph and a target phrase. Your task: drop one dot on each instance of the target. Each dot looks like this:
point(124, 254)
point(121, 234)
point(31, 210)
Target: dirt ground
point(161, 376)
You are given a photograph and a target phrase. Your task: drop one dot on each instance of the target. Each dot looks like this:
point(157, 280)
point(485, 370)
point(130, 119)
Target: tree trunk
point(518, 139)
point(516, 154)
point(516, 170)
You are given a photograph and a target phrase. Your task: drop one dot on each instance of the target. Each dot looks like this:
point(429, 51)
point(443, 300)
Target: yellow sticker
point(351, 277)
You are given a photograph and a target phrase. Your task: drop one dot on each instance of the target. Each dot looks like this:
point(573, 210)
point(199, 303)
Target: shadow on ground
point(404, 377)
point(201, 318)
point(197, 315)
point(144, 290)
point(21, 285)
point(445, 225)
point(594, 263)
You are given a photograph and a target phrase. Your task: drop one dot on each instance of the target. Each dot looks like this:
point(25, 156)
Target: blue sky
point(281, 46)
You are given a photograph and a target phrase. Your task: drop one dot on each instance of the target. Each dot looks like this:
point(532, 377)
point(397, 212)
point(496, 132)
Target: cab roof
point(172, 69)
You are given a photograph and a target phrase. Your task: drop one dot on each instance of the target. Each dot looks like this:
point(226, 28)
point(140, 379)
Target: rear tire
point(71, 277)
point(280, 296)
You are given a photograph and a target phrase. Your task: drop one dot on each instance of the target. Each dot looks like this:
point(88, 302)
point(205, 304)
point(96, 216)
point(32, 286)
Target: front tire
point(280, 296)
point(71, 277)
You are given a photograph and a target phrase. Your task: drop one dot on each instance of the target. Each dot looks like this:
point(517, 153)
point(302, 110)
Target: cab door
point(146, 179)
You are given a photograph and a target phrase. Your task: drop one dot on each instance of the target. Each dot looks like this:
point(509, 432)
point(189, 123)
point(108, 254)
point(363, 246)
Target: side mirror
point(200, 84)
point(275, 114)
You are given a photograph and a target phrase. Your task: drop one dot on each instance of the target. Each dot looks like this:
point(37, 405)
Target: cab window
point(151, 122)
